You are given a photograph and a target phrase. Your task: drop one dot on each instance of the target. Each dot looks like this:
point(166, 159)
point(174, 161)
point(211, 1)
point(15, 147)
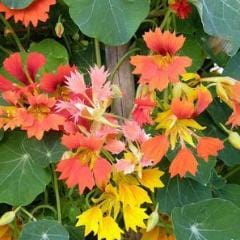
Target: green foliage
point(112, 22)
point(16, 4)
point(193, 49)
point(179, 192)
point(44, 229)
point(222, 19)
point(232, 69)
point(22, 179)
point(56, 54)
point(214, 219)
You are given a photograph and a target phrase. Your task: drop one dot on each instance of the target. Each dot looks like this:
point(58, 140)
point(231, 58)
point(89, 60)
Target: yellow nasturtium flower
point(134, 217)
point(151, 178)
point(109, 229)
point(91, 219)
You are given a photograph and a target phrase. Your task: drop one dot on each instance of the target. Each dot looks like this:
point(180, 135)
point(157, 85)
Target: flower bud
point(152, 220)
point(7, 218)
point(59, 29)
point(234, 139)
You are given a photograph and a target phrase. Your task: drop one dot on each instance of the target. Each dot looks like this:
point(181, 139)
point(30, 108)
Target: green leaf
point(204, 171)
point(75, 233)
point(214, 219)
point(55, 53)
point(83, 57)
point(44, 230)
point(219, 111)
point(230, 192)
point(48, 150)
point(217, 181)
point(192, 49)
point(222, 19)
point(179, 192)
point(21, 178)
point(110, 21)
point(16, 4)
point(232, 69)
point(229, 155)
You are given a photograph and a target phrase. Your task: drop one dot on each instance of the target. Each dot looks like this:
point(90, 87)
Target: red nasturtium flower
point(142, 111)
point(164, 66)
point(36, 11)
point(182, 8)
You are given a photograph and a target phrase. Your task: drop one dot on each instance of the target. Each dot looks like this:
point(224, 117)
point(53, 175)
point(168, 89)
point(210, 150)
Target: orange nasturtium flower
point(157, 233)
point(35, 12)
point(179, 125)
point(163, 66)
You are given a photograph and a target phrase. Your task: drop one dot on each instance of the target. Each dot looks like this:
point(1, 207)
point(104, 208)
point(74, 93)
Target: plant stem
point(121, 60)
point(56, 190)
point(3, 49)
point(28, 214)
point(229, 174)
point(97, 52)
point(45, 206)
point(165, 20)
point(15, 37)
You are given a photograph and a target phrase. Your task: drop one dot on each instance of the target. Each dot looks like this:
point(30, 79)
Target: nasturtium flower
point(234, 119)
point(25, 75)
point(158, 233)
point(109, 201)
point(182, 8)
point(134, 195)
point(209, 146)
point(155, 148)
point(183, 163)
point(91, 219)
point(56, 82)
point(109, 229)
point(151, 178)
point(79, 171)
point(39, 117)
point(35, 12)
point(6, 232)
point(142, 111)
point(163, 66)
point(134, 217)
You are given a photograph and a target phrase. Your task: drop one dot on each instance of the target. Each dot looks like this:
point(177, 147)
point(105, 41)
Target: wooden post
point(123, 78)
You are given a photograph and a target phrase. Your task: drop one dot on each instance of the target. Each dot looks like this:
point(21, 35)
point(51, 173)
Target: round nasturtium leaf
point(110, 21)
point(16, 4)
point(221, 18)
point(55, 53)
point(44, 230)
point(214, 219)
point(21, 177)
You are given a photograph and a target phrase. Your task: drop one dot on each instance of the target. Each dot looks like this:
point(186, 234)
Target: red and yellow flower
point(163, 66)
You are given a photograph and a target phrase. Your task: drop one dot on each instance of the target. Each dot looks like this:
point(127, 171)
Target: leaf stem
point(57, 196)
point(15, 37)
point(28, 214)
point(3, 49)
point(121, 60)
point(97, 52)
point(165, 20)
point(45, 206)
point(232, 172)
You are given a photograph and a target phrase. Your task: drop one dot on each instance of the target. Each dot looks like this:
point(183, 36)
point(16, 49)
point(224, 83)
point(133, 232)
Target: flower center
point(162, 61)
